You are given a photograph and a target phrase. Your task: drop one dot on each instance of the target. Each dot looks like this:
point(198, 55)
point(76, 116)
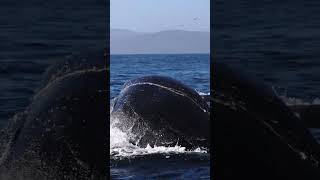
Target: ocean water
point(276, 41)
point(131, 162)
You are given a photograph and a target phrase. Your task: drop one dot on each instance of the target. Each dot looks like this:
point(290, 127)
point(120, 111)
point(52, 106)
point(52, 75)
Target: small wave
point(22, 67)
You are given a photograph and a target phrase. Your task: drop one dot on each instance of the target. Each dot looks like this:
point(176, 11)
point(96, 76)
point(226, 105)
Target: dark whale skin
point(63, 133)
point(310, 114)
point(255, 135)
point(159, 110)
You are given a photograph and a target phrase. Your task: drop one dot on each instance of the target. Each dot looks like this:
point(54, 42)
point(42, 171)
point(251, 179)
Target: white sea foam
point(121, 147)
point(203, 93)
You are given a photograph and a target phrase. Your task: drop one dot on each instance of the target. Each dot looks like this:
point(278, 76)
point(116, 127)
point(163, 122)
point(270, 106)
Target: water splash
point(121, 147)
point(203, 93)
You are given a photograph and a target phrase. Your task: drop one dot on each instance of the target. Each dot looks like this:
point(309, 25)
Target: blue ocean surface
point(129, 162)
point(191, 69)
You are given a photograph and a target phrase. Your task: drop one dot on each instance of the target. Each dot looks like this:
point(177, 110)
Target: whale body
point(63, 133)
point(255, 135)
point(158, 110)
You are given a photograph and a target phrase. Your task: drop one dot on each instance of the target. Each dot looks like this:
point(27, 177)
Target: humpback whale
point(255, 135)
point(63, 133)
point(158, 110)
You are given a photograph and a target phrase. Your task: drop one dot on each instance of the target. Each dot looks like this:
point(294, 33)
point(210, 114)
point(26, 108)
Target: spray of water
point(120, 145)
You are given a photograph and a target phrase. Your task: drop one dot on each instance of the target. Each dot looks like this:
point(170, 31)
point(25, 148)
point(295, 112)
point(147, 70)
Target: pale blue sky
point(159, 15)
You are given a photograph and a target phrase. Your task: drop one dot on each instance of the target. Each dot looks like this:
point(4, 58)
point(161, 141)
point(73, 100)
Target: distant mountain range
point(163, 42)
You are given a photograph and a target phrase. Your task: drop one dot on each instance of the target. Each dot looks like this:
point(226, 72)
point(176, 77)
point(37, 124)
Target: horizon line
point(159, 30)
point(159, 53)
